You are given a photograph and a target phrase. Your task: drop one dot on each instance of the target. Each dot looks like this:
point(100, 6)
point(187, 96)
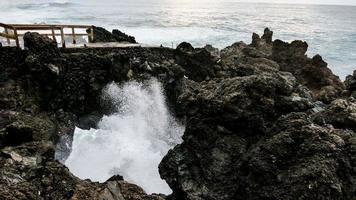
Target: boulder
point(350, 84)
point(185, 47)
point(122, 37)
point(198, 63)
point(103, 35)
point(89, 121)
point(40, 45)
point(341, 113)
point(214, 52)
point(26, 128)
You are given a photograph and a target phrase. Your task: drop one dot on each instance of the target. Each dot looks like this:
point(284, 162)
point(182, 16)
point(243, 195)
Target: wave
point(132, 141)
point(45, 5)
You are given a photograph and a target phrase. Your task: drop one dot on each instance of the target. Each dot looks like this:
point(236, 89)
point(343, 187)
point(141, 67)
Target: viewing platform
point(66, 36)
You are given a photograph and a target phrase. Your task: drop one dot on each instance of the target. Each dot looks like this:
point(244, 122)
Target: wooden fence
point(14, 31)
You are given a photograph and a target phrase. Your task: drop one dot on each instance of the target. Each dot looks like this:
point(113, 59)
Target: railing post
point(51, 32)
point(7, 39)
point(73, 35)
point(91, 38)
point(62, 38)
point(54, 35)
point(16, 38)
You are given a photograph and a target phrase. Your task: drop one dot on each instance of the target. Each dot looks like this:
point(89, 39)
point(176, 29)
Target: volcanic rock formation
point(263, 121)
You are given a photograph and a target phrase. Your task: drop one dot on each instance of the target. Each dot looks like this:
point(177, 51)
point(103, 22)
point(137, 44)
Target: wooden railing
point(14, 31)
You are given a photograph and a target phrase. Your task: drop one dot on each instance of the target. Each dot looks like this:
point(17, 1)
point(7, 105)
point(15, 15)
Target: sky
point(332, 2)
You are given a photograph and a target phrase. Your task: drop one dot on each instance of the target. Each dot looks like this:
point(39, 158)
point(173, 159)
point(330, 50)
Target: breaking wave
point(132, 141)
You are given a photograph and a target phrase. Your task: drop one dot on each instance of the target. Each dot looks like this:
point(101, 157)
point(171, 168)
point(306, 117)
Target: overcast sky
point(333, 2)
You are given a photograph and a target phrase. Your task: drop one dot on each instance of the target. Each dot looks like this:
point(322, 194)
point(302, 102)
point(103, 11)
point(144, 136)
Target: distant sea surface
point(329, 30)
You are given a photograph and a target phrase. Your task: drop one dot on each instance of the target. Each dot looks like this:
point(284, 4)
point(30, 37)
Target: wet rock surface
point(263, 121)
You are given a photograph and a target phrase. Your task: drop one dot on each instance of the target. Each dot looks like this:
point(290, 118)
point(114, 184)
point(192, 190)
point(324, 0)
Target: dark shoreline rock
point(263, 121)
point(350, 83)
point(102, 35)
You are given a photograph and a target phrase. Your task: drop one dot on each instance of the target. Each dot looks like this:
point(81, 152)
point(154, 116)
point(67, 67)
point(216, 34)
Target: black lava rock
point(103, 35)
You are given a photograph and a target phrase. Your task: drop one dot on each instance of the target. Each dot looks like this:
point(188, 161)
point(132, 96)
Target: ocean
point(329, 30)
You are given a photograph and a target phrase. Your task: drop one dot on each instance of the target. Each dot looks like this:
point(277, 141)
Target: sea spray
point(132, 141)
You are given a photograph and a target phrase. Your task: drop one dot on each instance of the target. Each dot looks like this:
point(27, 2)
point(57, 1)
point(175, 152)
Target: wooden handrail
point(58, 34)
point(49, 25)
point(39, 28)
point(7, 36)
point(46, 27)
point(6, 26)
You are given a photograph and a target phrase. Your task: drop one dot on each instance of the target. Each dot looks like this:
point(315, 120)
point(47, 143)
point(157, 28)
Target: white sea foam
point(132, 141)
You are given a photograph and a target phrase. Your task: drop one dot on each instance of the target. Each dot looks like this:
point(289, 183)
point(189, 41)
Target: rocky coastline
point(263, 120)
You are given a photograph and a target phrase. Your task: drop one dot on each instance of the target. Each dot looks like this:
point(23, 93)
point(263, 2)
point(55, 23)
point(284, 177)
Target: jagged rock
point(225, 116)
point(317, 60)
point(185, 47)
point(26, 128)
point(350, 84)
point(115, 178)
point(40, 45)
point(12, 63)
point(341, 113)
point(252, 137)
point(291, 57)
point(283, 50)
point(43, 63)
point(255, 40)
point(232, 53)
point(267, 36)
point(198, 63)
point(122, 37)
point(103, 35)
point(312, 73)
point(89, 121)
point(231, 151)
point(214, 52)
point(126, 191)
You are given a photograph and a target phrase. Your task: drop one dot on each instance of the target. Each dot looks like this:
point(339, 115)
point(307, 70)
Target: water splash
point(132, 141)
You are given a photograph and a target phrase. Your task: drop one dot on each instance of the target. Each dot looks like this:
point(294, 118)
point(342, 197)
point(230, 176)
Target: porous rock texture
point(266, 122)
point(263, 121)
point(44, 93)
